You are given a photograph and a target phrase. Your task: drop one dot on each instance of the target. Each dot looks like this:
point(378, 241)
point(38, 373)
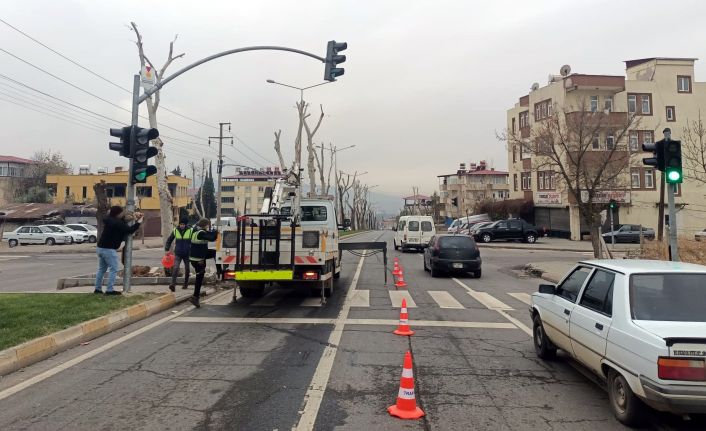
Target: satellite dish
point(565, 70)
point(535, 86)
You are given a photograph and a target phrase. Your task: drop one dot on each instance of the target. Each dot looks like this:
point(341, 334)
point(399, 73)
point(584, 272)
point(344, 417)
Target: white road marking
point(271, 299)
point(523, 297)
point(315, 394)
point(9, 258)
point(489, 301)
point(361, 298)
point(444, 299)
point(433, 323)
point(310, 302)
point(320, 321)
point(396, 298)
point(88, 355)
point(263, 320)
point(516, 322)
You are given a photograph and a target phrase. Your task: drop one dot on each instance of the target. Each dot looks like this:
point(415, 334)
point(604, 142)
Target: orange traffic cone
point(406, 406)
point(403, 328)
point(400, 280)
point(396, 270)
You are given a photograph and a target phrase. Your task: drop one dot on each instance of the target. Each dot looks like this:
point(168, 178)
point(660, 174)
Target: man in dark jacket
point(181, 236)
point(115, 230)
point(199, 253)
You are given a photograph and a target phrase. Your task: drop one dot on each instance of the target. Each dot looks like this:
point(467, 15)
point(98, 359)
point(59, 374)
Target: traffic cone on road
point(400, 280)
point(406, 406)
point(396, 270)
point(403, 328)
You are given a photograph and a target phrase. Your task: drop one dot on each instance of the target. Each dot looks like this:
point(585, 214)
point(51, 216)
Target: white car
point(700, 236)
point(76, 236)
point(91, 231)
point(639, 325)
point(35, 235)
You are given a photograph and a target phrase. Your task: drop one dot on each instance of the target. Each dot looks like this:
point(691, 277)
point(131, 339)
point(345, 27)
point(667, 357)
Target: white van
point(414, 232)
point(459, 222)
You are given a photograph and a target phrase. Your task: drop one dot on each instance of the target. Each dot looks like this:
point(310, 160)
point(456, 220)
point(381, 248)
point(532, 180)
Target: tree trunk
point(166, 201)
point(101, 205)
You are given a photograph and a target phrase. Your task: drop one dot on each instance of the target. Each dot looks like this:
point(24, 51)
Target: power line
point(96, 74)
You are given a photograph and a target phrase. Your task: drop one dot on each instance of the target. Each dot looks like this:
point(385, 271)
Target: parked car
point(476, 227)
point(35, 235)
point(700, 236)
point(77, 237)
point(413, 232)
point(91, 230)
point(455, 226)
point(511, 229)
point(629, 233)
point(452, 253)
point(638, 325)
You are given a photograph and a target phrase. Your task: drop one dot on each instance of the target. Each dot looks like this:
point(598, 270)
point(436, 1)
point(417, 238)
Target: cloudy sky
point(426, 86)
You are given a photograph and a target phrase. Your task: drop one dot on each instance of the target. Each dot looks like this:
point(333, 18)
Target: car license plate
point(458, 265)
point(413, 240)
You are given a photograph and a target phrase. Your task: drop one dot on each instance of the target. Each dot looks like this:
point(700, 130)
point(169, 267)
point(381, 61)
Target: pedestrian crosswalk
point(454, 300)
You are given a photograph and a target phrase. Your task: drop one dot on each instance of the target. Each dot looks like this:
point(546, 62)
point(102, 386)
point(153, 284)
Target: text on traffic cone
point(406, 406)
point(396, 270)
point(400, 280)
point(403, 328)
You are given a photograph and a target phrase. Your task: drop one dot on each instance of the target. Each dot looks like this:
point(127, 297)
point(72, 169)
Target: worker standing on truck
point(199, 253)
point(181, 236)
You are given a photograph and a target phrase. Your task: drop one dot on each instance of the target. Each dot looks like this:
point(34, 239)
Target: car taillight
point(311, 275)
point(229, 275)
point(681, 369)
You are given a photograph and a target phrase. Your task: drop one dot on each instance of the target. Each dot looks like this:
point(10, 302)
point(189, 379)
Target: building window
point(144, 191)
point(513, 124)
point(635, 178)
point(610, 141)
point(596, 142)
point(524, 119)
point(228, 211)
point(227, 199)
point(646, 105)
point(648, 137)
point(84, 192)
point(671, 113)
point(608, 104)
point(594, 103)
point(525, 151)
point(228, 188)
point(542, 109)
point(514, 182)
point(632, 103)
point(634, 141)
point(684, 84)
point(68, 191)
point(545, 180)
point(514, 154)
point(649, 178)
point(526, 180)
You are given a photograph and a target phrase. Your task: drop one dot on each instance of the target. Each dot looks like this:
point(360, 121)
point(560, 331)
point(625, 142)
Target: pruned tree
point(102, 204)
point(344, 187)
point(321, 166)
point(694, 149)
point(278, 150)
point(568, 143)
point(165, 198)
point(310, 150)
point(195, 196)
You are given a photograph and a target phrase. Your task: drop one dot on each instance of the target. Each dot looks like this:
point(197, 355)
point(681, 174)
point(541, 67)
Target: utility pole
point(130, 207)
point(219, 169)
point(660, 222)
point(671, 190)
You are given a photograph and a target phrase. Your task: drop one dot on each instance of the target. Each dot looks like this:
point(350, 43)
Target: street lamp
point(301, 89)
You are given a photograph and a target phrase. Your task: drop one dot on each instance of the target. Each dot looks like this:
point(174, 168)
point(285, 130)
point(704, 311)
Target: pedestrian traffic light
point(657, 150)
point(141, 153)
point(672, 162)
point(122, 147)
point(333, 58)
point(613, 204)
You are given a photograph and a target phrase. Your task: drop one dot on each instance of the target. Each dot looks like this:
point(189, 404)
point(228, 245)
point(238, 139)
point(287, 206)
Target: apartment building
point(655, 93)
point(12, 171)
point(459, 193)
point(244, 192)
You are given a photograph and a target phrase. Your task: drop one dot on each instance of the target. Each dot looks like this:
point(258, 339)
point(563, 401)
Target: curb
point(536, 272)
point(72, 251)
point(33, 351)
point(517, 247)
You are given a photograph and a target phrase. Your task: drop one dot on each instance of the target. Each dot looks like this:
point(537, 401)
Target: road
point(284, 361)
point(37, 272)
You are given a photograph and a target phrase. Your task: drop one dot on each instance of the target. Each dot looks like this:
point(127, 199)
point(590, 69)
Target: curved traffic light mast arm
point(166, 80)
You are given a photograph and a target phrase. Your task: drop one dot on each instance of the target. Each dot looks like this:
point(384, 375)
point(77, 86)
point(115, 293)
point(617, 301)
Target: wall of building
point(241, 194)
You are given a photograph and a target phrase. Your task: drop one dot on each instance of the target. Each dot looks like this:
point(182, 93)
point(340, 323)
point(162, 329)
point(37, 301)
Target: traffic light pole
point(673, 243)
point(130, 207)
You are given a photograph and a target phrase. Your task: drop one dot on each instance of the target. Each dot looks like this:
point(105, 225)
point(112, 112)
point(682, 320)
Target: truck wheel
point(542, 346)
point(395, 244)
point(336, 275)
point(627, 408)
point(251, 290)
point(531, 238)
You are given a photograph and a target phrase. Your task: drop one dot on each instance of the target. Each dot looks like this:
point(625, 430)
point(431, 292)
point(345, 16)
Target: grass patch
point(24, 316)
point(343, 233)
point(689, 250)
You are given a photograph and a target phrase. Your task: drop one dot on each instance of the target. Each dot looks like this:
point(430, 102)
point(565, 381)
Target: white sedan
point(639, 325)
point(76, 236)
point(36, 235)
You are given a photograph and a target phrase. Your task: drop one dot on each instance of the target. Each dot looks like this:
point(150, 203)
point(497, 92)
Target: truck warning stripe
point(231, 259)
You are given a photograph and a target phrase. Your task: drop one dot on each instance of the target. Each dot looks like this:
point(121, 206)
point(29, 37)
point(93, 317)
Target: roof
point(254, 176)
point(639, 61)
point(31, 211)
point(483, 172)
point(13, 159)
point(633, 266)
point(417, 198)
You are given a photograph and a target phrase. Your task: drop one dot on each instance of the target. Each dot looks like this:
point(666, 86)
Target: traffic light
point(613, 204)
point(657, 150)
point(672, 162)
point(333, 58)
point(454, 201)
point(141, 152)
point(122, 147)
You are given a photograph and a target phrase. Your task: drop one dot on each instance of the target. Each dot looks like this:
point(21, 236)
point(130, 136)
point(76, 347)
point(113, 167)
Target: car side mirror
point(547, 288)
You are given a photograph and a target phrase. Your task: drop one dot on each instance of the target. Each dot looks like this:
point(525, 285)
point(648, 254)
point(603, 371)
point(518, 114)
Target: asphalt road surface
point(286, 362)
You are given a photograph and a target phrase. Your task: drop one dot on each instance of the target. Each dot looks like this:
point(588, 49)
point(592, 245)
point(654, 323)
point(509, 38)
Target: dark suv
point(511, 229)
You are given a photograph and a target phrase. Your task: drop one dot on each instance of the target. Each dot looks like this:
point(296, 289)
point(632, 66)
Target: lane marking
point(516, 322)
point(523, 297)
point(263, 320)
point(434, 323)
point(271, 299)
point(319, 381)
point(444, 299)
point(361, 298)
point(396, 298)
point(321, 321)
point(489, 301)
point(310, 302)
point(88, 355)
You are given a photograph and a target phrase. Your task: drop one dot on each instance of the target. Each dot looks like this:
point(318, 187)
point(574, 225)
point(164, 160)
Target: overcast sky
point(427, 83)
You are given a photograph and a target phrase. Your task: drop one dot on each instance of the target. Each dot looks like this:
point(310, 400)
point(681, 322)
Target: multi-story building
point(459, 193)
point(12, 171)
point(655, 93)
point(79, 189)
point(244, 192)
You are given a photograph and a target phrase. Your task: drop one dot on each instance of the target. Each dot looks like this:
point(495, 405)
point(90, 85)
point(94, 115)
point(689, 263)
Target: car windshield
point(668, 297)
point(455, 242)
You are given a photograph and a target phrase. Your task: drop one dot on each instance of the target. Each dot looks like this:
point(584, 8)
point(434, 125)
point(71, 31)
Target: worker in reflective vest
point(181, 236)
point(199, 253)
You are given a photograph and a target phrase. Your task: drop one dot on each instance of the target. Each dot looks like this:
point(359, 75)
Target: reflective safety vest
point(182, 244)
point(199, 247)
point(187, 234)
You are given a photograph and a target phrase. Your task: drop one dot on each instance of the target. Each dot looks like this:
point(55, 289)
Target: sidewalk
point(152, 242)
point(555, 244)
point(549, 271)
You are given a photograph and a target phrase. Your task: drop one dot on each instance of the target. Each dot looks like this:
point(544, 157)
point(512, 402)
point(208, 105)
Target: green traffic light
point(141, 176)
point(674, 176)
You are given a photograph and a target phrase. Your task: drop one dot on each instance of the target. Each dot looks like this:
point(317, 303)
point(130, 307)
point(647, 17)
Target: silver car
point(36, 235)
point(77, 237)
point(90, 230)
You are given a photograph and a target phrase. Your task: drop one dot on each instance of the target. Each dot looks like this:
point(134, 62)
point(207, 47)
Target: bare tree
point(165, 198)
point(194, 197)
point(278, 150)
point(568, 144)
point(344, 187)
point(694, 149)
point(101, 204)
point(321, 166)
point(311, 151)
